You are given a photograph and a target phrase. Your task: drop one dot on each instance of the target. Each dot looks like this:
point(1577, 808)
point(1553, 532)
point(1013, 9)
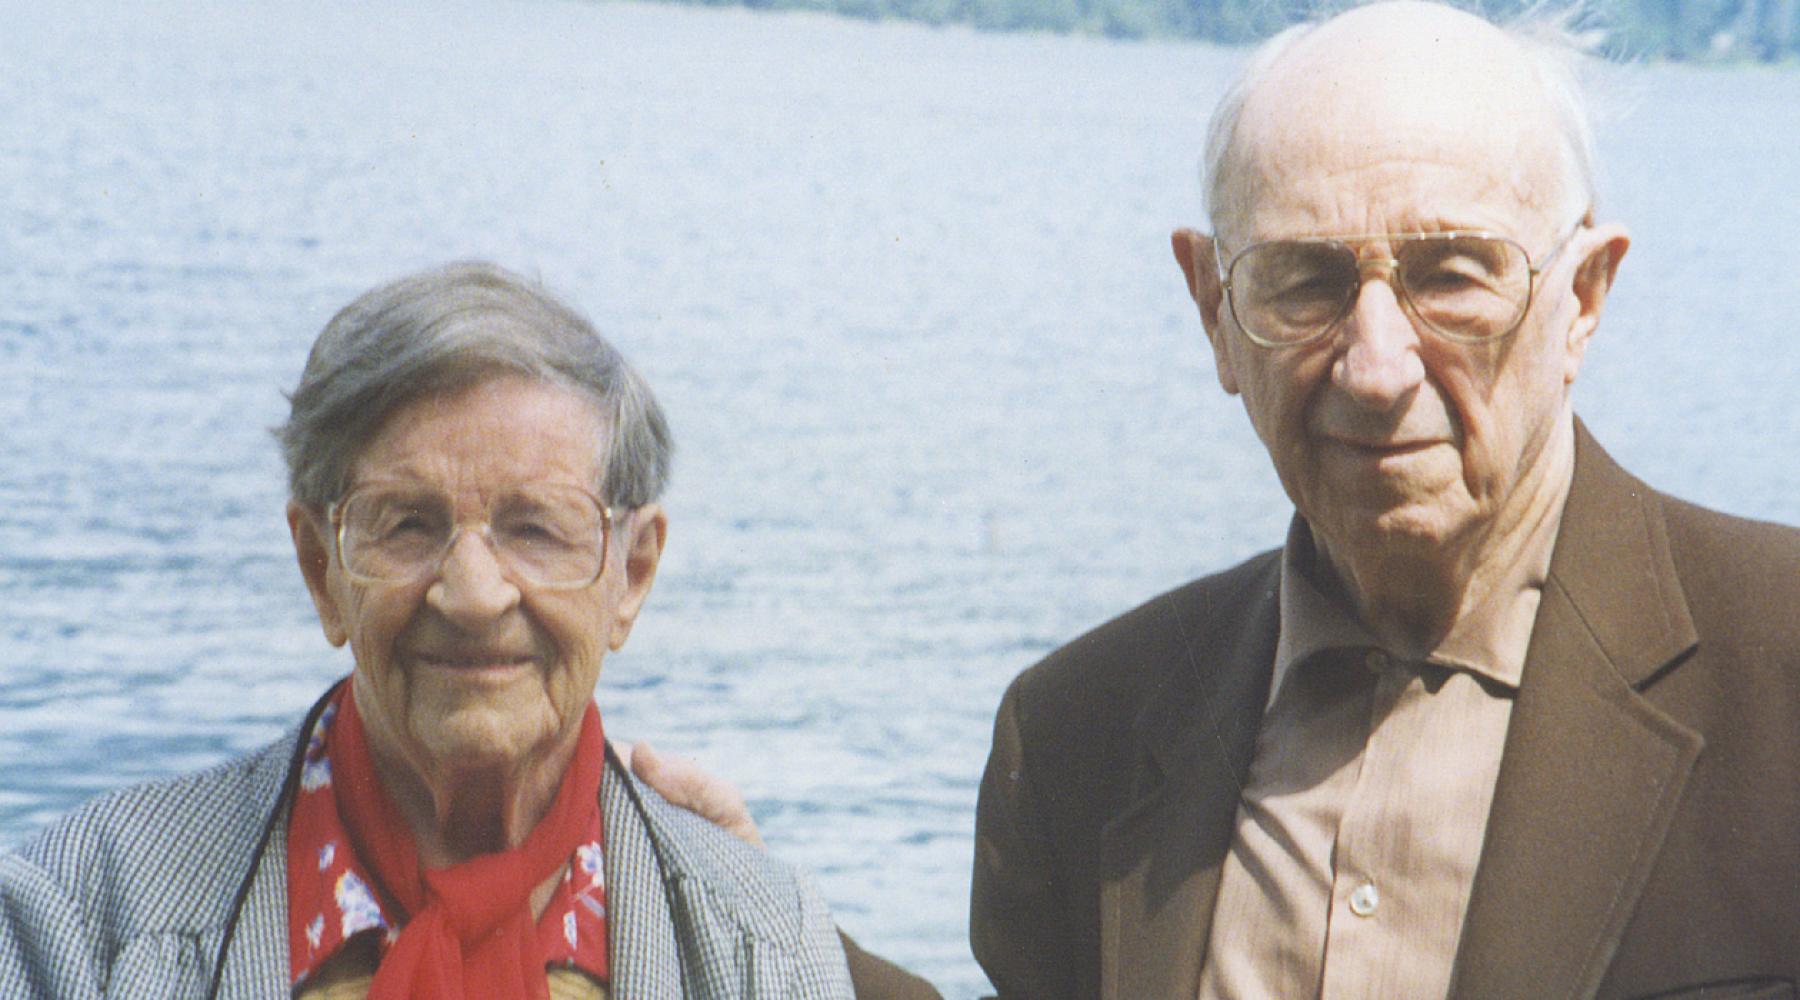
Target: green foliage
point(1025, 15)
point(929, 11)
point(1768, 30)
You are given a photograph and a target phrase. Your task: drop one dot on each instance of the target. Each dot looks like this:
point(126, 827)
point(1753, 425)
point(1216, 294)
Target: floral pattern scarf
point(334, 893)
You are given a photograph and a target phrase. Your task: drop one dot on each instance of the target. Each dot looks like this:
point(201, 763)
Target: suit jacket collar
point(1592, 771)
point(635, 885)
point(1161, 858)
point(1589, 782)
point(250, 953)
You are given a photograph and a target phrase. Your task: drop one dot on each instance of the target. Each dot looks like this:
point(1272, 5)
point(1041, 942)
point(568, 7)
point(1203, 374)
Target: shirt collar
point(1489, 641)
point(1311, 621)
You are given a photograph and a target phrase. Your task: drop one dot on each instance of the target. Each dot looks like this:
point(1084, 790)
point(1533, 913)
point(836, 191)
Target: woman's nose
point(471, 587)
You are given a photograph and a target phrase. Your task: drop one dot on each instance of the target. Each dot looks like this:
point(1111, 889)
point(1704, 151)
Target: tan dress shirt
point(1361, 822)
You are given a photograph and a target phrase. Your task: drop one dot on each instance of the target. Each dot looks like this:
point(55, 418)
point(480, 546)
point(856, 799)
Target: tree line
point(1700, 30)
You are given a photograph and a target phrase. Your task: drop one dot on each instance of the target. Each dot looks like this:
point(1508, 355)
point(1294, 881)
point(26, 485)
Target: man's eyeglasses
point(549, 536)
point(1469, 287)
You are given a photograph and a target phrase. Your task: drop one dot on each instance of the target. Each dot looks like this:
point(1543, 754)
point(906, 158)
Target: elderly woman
point(474, 474)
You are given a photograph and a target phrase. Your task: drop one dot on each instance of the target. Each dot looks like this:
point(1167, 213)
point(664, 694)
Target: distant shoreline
point(1717, 33)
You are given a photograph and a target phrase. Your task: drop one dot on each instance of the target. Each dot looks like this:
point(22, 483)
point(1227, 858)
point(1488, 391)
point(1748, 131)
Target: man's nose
point(1379, 363)
point(471, 588)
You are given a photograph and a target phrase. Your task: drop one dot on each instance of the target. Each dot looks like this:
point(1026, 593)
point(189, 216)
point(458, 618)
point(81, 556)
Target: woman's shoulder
point(163, 855)
point(693, 849)
point(679, 884)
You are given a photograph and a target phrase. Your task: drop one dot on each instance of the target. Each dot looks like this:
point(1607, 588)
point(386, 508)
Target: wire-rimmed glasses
point(1467, 286)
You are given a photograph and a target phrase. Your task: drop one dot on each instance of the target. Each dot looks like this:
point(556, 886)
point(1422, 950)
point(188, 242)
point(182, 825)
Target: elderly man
point(1498, 720)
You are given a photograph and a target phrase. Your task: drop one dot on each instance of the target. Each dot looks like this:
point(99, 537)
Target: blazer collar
point(250, 953)
point(1592, 772)
point(1588, 785)
point(645, 960)
point(1161, 857)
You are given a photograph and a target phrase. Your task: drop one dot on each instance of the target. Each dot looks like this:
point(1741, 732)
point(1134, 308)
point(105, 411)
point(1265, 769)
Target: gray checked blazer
point(178, 890)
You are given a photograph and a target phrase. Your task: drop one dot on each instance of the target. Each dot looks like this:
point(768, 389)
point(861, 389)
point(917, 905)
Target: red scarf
point(467, 932)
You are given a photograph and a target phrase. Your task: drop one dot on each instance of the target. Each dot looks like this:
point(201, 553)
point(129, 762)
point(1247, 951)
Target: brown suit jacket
point(1645, 832)
point(876, 978)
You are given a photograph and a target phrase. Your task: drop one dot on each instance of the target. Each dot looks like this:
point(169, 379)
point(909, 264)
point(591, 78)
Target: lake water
point(906, 294)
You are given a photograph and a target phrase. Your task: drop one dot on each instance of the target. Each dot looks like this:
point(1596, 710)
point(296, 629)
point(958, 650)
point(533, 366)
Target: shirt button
point(1364, 899)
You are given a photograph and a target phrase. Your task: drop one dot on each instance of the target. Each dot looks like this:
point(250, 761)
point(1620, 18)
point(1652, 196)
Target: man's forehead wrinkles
point(1394, 89)
point(1421, 193)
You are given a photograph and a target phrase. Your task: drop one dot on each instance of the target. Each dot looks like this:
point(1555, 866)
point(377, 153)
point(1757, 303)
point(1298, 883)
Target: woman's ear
point(312, 547)
point(646, 530)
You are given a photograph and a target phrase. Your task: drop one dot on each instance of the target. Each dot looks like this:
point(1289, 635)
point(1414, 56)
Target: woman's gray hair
point(446, 329)
point(1547, 32)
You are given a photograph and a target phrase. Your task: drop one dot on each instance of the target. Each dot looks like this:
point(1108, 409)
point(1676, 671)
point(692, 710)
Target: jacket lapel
point(1592, 772)
point(261, 956)
point(1161, 857)
point(644, 958)
point(252, 946)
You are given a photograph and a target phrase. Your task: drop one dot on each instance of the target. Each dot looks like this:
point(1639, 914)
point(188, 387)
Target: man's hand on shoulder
point(685, 784)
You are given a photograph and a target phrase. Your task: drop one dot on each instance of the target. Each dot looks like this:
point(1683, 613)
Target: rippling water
point(905, 292)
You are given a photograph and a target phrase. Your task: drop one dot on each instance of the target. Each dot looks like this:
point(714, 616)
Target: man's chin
point(1386, 530)
point(1414, 528)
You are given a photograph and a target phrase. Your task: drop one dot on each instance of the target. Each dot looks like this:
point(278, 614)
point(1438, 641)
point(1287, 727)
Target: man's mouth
point(1382, 449)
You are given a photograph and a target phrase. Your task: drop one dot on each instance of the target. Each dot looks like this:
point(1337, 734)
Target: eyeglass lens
point(547, 535)
point(1466, 287)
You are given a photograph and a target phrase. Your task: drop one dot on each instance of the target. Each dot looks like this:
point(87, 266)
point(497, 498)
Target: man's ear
point(1603, 248)
point(312, 547)
point(1199, 265)
point(646, 529)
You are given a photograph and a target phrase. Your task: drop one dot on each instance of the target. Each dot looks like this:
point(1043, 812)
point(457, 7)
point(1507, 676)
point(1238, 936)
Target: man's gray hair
point(1557, 52)
point(446, 329)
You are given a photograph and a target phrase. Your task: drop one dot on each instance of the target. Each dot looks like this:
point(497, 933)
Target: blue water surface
point(906, 293)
